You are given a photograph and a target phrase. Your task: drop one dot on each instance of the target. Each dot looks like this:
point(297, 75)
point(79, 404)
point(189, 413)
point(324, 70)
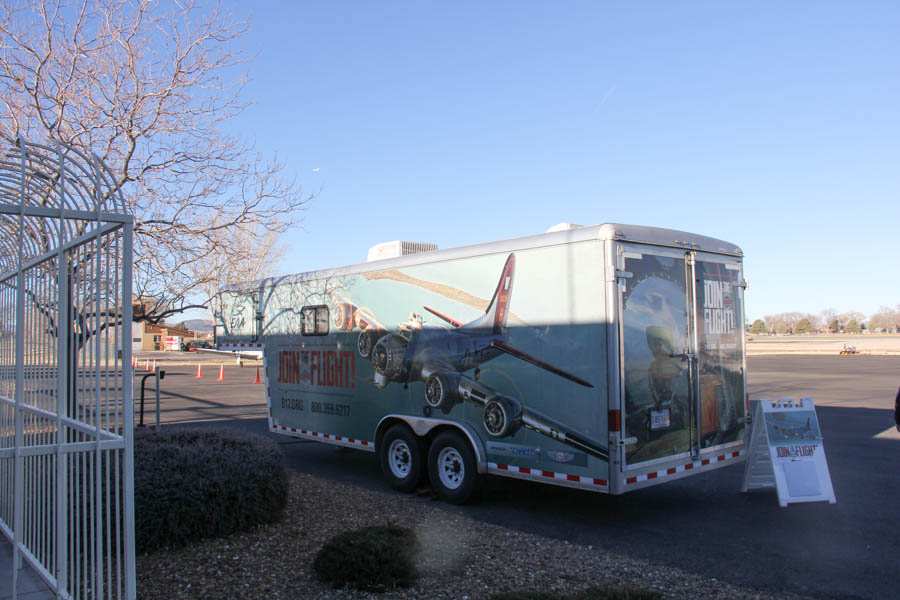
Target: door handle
point(688, 356)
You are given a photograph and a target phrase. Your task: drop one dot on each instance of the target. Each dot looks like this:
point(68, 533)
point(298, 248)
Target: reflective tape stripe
point(320, 436)
point(685, 467)
point(540, 474)
point(236, 346)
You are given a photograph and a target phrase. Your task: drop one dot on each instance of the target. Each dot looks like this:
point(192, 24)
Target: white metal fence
point(66, 411)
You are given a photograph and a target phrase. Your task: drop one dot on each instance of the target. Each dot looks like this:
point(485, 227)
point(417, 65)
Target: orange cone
point(153, 370)
point(147, 366)
point(258, 380)
point(221, 373)
point(199, 372)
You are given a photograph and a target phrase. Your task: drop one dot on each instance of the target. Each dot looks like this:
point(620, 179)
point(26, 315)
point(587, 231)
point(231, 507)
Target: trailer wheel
point(452, 468)
point(402, 458)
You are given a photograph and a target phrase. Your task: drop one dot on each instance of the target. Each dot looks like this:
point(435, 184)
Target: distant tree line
point(885, 320)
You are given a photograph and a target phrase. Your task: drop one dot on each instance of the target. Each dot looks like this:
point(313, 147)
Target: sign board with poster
point(786, 450)
point(173, 342)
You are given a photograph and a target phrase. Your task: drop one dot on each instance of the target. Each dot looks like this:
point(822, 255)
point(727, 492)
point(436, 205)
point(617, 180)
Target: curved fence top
point(49, 195)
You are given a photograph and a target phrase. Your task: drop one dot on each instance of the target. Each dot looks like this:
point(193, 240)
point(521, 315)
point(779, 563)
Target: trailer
point(606, 358)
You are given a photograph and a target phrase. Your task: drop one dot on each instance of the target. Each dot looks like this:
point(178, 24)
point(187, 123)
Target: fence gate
point(66, 410)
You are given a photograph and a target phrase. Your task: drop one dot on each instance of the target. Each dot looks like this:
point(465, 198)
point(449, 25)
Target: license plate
point(659, 419)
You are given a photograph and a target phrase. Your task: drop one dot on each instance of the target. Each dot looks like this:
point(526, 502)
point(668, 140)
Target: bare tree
point(886, 318)
point(828, 315)
point(815, 322)
point(783, 322)
point(149, 88)
point(851, 315)
point(241, 254)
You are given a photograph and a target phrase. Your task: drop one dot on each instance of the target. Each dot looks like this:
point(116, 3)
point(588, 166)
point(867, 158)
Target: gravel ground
point(461, 558)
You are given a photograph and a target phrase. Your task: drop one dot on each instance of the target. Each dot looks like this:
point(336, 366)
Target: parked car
point(193, 345)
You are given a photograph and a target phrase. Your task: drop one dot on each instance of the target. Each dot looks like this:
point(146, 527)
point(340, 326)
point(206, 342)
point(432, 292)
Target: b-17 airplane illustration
point(439, 357)
point(797, 431)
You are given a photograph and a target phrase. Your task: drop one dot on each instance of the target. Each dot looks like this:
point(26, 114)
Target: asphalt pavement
point(702, 524)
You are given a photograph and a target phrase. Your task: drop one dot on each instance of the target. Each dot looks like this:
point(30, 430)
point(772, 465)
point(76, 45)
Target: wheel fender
point(421, 426)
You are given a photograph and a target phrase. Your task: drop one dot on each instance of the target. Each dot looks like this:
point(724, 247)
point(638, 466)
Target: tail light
point(614, 419)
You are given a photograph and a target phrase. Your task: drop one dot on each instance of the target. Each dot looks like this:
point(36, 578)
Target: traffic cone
point(153, 370)
point(258, 380)
point(221, 373)
point(199, 372)
point(147, 365)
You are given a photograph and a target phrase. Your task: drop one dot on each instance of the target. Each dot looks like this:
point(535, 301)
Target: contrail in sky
point(606, 97)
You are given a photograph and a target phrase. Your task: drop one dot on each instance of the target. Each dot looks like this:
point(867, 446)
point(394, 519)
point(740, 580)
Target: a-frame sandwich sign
point(786, 451)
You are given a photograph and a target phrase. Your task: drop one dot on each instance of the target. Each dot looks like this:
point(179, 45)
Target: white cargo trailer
point(608, 358)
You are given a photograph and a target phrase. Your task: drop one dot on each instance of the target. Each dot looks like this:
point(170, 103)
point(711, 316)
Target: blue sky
point(771, 125)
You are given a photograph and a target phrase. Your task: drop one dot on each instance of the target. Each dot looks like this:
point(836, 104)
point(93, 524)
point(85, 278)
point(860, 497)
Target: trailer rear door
point(683, 385)
point(719, 342)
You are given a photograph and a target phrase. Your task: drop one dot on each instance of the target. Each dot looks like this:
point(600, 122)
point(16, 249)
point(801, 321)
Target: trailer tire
point(402, 457)
point(452, 468)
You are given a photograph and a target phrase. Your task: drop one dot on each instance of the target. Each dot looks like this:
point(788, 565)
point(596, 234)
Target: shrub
point(593, 593)
point(372, 559)
point(200, 483)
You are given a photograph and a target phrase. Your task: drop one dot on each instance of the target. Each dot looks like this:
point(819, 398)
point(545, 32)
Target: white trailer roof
point(657, 236)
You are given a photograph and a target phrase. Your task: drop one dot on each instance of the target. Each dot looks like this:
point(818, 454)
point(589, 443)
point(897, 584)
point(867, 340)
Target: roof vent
point(564, 227)
point(398, 248)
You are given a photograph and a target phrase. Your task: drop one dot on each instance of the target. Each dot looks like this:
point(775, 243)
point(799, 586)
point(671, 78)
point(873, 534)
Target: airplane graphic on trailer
point(439, 357)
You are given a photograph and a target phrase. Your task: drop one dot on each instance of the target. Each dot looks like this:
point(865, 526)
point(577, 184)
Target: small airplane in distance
point(440, 357)
point(239, 355)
